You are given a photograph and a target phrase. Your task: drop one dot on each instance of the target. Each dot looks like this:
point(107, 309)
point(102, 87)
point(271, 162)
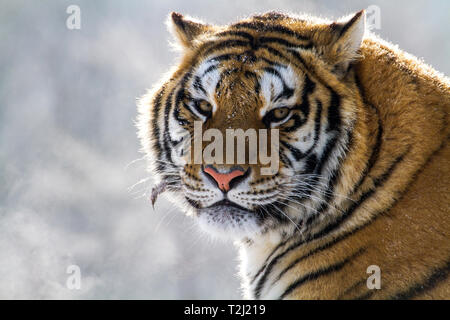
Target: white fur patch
point(272, 86)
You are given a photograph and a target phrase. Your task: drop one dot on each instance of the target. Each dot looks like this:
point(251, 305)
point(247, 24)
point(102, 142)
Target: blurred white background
point(67, 138)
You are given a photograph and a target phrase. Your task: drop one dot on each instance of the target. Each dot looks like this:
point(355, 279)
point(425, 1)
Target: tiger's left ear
point(186, 30)
point(347, 38)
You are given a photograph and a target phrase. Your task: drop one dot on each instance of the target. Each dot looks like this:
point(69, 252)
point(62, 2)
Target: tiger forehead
point(240, 82)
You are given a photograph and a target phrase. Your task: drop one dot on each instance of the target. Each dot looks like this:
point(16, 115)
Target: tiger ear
point(347, 38)
point(186, 30)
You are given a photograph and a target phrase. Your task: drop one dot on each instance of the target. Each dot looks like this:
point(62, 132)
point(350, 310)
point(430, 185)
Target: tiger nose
point(224, 180)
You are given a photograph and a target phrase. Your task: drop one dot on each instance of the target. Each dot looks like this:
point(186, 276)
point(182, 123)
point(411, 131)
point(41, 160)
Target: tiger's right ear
point(186, 30)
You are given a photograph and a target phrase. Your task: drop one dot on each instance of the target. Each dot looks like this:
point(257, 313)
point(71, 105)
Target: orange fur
point(394, 180)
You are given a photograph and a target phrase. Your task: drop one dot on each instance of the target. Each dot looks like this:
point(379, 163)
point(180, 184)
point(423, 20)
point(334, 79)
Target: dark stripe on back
point(438, 275)
point(352, 288)
point(378, 182)
point(321, 272)
point(321, 248)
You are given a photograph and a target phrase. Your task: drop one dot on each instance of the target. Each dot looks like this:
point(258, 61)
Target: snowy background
point(68, 145)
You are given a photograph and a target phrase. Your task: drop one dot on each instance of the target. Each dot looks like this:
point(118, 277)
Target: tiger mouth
point(227, 204)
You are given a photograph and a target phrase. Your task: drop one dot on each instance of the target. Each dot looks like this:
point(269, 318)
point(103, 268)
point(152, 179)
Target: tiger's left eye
point(276, 116)
point(281, 113)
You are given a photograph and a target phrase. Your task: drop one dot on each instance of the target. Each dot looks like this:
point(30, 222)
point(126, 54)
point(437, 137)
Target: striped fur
point(364, 161)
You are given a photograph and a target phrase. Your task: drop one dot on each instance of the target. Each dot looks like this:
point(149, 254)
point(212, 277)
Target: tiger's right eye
point(205, 106)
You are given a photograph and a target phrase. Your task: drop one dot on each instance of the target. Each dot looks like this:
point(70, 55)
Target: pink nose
point(223, 179)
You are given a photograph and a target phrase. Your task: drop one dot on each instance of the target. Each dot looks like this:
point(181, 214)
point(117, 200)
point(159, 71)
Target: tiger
point(359, 206)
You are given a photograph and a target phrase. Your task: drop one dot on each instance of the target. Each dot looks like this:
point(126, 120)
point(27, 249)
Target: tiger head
point(269, 73)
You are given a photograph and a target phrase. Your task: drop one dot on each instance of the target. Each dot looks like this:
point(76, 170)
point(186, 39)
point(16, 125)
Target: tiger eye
point(205, 106)
point(281, 113)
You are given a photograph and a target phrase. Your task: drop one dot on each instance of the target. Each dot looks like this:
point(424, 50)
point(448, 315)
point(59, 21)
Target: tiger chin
point(363, 176)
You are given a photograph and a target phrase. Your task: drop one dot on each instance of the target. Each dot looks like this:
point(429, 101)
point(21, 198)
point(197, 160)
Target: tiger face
point(270, 73)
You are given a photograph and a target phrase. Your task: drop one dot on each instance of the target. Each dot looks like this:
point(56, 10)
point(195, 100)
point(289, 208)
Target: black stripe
point(308, 88)
point(310, 163)
point(168, 107)
point(267, 260)
point(275, 73)
point(352, 288)
point(334, 116)
point(198, 85)
point(219, 83)
point(366, 295)
point(181, 121)
point(155, 110)
point(227, 44)
point(373, 158)
point(317, 125)
point(321, 248)
point(265, 27)
point(277, 54)
point(301, 242)
point(336, 173)
point(243, 34)
point(430, 283)
point(224, 57)
point(210, 69)
point(273, 63)
point(305, 108)
point(251, 74)
point(283, 42)
point(321, 272)
point(294, 151)
point(378, 182)
point(267, 268)
point(285, 94)
point(188, 108)
point(287, 91)
point(334, 122)
point(287, 60)
point(286, 160)
point(298, 122)
point(295, 57)
point(377, 147)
